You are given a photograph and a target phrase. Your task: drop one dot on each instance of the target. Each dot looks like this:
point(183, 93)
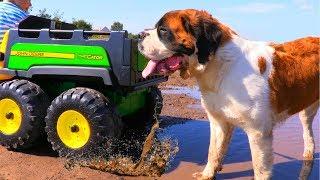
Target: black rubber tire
point(149, 113)
point(33, 103)
point(103, 120)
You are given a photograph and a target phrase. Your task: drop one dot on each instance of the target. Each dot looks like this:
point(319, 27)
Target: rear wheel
point(79, 120)
point(22, 110)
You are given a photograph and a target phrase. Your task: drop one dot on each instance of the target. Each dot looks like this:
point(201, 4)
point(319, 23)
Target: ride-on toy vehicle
point(78, 90)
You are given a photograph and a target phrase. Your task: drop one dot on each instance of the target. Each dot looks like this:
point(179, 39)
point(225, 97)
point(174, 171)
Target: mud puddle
point(193, 137)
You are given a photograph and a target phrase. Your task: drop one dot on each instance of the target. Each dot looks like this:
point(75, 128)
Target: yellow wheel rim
point(73, 129)
point(10, 117)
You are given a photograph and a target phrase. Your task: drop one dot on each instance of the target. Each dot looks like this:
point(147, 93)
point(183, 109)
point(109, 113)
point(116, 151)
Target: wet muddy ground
point(183, 121)
point(193, 138)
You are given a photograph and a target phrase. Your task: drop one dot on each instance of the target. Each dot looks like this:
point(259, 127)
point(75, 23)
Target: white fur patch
point(243, 94)
point(153, 48)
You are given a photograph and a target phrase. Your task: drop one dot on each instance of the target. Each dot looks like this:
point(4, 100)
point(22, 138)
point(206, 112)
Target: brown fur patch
point(181, 36)
point(174, 21)
point(195, 16)
point(262, 64)
point(294, 83)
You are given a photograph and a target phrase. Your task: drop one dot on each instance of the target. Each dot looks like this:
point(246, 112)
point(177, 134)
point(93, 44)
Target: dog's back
point(294, 83)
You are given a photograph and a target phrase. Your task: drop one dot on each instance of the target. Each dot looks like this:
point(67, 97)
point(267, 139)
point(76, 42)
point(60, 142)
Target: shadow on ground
point(43, 148)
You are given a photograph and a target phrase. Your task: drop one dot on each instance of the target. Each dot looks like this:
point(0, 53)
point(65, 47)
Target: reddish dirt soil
point(175, 105)
point(175, 80)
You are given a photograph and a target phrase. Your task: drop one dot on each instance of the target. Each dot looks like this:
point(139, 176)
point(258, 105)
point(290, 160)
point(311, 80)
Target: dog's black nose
point(143, 35)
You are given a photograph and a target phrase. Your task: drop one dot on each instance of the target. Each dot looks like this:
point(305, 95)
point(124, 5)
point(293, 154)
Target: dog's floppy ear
point(207, 34)
point(187, 25)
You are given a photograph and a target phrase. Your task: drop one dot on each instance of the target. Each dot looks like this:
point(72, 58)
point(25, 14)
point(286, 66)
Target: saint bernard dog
point(249, 84)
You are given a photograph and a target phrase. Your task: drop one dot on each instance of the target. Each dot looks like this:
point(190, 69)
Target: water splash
point(122, 155)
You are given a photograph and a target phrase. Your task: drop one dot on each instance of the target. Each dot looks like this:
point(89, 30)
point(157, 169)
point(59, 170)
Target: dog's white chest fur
point(240, 92)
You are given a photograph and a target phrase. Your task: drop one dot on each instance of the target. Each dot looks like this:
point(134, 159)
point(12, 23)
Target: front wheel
point(22, 110)
point(80, 120)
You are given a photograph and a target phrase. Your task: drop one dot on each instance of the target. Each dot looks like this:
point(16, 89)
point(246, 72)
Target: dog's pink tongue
point(170, 64)
point(174, 63)
point(151, 66)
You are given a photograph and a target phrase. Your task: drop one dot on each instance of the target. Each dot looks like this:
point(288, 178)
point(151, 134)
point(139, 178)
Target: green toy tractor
point(76, 89)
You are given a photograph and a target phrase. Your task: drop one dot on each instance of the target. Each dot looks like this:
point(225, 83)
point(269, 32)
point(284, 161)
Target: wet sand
point(182, 120)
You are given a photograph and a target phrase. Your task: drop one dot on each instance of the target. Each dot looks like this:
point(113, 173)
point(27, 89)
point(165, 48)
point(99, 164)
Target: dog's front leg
point(261, 152)
point(220, 135)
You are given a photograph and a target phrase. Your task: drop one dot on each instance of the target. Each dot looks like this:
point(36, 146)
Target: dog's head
point(179, 36)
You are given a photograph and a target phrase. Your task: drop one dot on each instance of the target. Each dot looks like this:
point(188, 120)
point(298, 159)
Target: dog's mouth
point(163, 67)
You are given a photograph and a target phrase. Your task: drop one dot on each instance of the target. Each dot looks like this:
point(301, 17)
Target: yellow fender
point(3, 48)
point(3, 45)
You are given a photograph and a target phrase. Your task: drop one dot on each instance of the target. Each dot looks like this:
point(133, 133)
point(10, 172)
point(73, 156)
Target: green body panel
point(142, 62)
point(28, 55)
point(130, 103)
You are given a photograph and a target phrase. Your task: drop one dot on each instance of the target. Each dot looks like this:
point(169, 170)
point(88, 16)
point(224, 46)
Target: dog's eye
point(163, 30)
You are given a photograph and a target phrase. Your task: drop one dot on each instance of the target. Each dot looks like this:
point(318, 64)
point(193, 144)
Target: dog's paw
point(201, 176)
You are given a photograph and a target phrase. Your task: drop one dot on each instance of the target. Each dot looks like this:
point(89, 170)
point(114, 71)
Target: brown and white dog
point(249, 84)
